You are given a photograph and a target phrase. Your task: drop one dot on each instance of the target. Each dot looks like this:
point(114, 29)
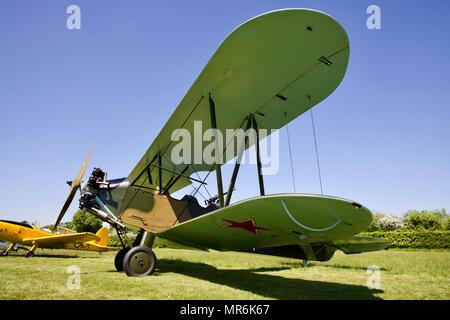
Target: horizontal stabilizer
point(359, 244)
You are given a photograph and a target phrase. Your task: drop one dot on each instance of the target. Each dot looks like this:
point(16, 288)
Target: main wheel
point(29, 254)
point(4, 253)
point(118, 260)
point(140, 261)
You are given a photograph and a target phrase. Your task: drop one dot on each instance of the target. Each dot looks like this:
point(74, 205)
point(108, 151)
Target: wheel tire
point(140, 261)
point(29, 254)
point(118, 260)
point(4, 253)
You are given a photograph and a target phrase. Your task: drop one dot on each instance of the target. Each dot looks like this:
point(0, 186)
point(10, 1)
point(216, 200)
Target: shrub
point(446, 224)
point(85, 222)
point(381, 222)
point(114, 241)
point(426, 220)
point(415, 239)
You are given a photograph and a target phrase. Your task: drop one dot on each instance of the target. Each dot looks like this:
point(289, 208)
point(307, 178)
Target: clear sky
point(383, 135)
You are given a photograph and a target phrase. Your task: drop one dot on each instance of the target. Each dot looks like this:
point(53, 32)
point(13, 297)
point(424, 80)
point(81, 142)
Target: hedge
point(414, 239)
point(397, 239)
point(113, 241)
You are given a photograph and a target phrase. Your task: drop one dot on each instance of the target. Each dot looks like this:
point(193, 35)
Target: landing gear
point(31, 252)
point(305, 263)
point(6, 252)
point(139, 261)
point(118, 260)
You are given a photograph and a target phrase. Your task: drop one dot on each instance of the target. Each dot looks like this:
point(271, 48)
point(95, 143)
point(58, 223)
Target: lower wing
point(274, 220)
point(59, 240)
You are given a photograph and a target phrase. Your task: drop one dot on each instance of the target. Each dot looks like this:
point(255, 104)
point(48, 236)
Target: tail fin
point(103, 236)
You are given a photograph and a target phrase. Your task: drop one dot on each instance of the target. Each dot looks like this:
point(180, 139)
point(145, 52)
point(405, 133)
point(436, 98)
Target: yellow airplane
point(28, 235)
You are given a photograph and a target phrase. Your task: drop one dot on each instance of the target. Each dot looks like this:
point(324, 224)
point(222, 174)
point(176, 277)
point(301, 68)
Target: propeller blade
point(77, 181)
point(73, 190)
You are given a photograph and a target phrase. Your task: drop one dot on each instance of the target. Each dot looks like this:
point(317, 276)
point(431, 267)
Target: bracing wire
point(198, 176)
point(290, 153)
point(317, 151)
point(195, 190)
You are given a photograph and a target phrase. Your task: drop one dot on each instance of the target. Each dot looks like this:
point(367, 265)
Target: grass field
point(183, 274)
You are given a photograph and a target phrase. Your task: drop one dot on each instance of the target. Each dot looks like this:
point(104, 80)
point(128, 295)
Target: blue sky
point(383, 135)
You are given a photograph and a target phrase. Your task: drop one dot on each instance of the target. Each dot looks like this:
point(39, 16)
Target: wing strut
point(160, 173)
point(151, 165)
point(145, 169)
point(238, 162)
point(212, 110)
point(251, 123)
point(258, 157)
point(171, 183)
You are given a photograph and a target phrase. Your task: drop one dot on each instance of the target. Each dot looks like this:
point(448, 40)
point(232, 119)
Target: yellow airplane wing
point(61, 239)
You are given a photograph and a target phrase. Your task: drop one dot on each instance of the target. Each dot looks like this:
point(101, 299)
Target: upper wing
point(275, 66)
point(273, 221)
point(61, 239)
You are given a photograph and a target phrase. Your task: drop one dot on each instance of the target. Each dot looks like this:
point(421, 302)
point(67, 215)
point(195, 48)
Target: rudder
point(103, 236)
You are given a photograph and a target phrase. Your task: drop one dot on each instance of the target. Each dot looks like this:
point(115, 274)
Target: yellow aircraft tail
point(103, 235)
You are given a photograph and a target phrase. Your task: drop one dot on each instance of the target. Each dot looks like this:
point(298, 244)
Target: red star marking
point(248, 225)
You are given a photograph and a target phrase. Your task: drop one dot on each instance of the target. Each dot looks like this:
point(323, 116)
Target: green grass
point(183, 274)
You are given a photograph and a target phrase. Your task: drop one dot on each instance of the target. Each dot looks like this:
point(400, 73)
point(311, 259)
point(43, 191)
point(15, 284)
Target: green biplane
point(267, 72)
